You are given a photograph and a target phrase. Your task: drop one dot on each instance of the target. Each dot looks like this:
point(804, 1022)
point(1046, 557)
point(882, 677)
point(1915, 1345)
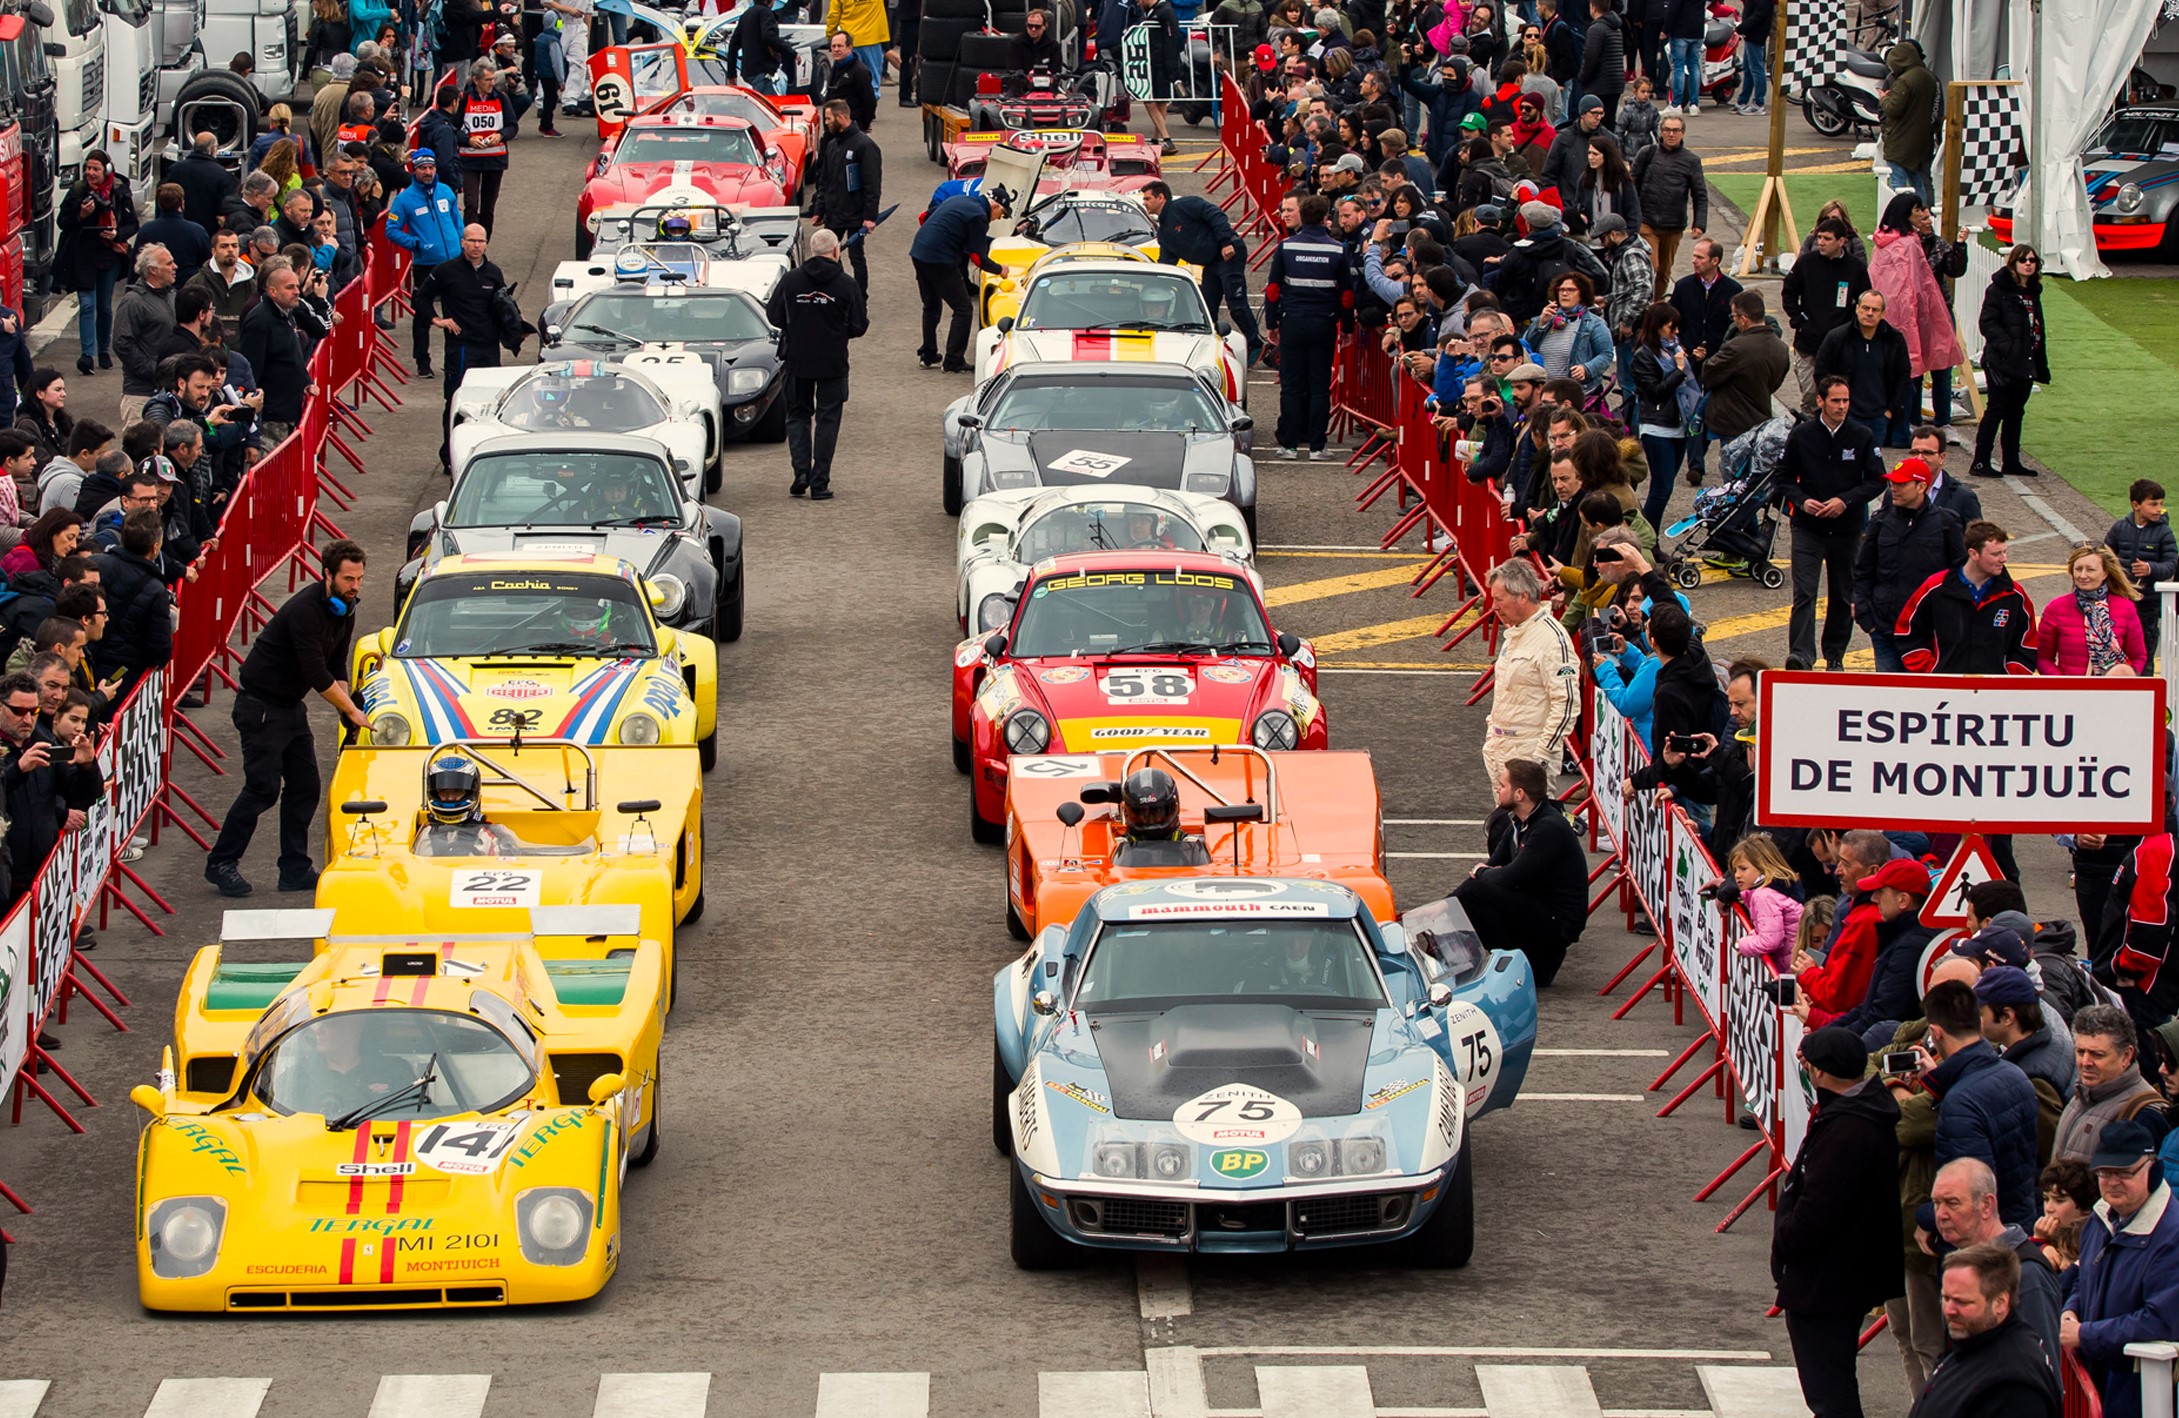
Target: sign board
point(1797, 1095)
point(1971, 865)
point(1698, 926)
point(1753, 1020)
point(16, 988)
point(1962, 752)
point(1607, 778)
point(1649, 856)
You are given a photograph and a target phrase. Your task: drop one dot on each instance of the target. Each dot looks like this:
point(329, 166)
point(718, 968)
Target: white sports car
point(1005, 533)
point(1115, 311)
point(710, 246)
point(667, 395)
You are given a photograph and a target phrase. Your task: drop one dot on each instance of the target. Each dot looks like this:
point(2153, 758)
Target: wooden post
point(1949, 223)
point(1763, 222)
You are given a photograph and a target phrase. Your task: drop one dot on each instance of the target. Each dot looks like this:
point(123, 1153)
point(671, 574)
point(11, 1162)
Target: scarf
point(1558, 317)
point(2103, 646)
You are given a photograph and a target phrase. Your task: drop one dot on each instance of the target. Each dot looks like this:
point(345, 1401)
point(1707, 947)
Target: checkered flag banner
point(1990, 144)
point(1813, 30)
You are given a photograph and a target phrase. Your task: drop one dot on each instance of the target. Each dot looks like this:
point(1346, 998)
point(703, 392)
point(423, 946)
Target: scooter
point(1721, 54)
point(1852, 97)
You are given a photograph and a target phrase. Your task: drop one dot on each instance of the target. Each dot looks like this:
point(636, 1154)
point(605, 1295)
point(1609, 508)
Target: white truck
point(76, 44)
point(131, 117)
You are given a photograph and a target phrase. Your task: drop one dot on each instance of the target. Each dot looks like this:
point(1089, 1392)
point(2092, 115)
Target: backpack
point(1582, 258)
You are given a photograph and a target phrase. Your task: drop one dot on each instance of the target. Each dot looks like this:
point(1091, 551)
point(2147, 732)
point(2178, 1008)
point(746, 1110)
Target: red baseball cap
point(1267, 58)
point(1911, 470)
point(1901, 874)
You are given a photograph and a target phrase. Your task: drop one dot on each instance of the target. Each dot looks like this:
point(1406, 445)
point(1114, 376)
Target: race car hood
point(1134, 700)
point(1156, 1062)
point(647, 549)
point(545, 696)
point(1201, 351)
point(1063, 458)
point(691, 182)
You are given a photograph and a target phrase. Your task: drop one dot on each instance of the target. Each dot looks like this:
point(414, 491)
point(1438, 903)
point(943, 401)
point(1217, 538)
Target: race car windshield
point(2138, 135)
point(563, 490)
point(601, 404)
point(1106, 526)
point(692, 144)
point(1127, 405)
point(524, 612)
point(1116, 222)
point(1138, 965)
point(338, 1063)
point(1114, 300)
point(1119, 612)
point(723, 105)
point(727, 318)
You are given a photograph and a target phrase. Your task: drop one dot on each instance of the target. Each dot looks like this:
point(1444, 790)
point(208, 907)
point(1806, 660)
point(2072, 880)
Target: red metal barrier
point(2081, 1398)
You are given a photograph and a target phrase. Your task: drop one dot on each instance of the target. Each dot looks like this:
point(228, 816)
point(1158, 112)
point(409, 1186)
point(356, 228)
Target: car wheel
point(1248, 520)
point(772, 427)
point(982, 828)
point(733, 596)
point(584, 241)
point(643, 1155)
point(707, 750)
point(950, 487)
point(1002, 1104)
point(963, 760)
point(715, 474)
point(1447, 1240)
point(696, 913)
point(1036, 1246)
point(1015, 925)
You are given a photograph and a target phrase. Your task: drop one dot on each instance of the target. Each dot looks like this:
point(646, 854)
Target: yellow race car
point(537, 644)
point(550, 823)
point(399, 1120)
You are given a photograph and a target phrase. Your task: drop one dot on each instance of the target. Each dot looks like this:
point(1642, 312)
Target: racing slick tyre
point(715, 474)
point(962, 760)
point(981, 828)
point(1015, 925)
point(1769, 577)
point(707, 750)
point(1822, 119)
point(953, 10)
point(726, 621)
point(1447, 1240)
point(1248, 520)
point(1002, 1104)
point(1036, 1246)
point(949, 484)
point(584, 240)
point(772, 427)
point(642, 1154)
point(229, 108)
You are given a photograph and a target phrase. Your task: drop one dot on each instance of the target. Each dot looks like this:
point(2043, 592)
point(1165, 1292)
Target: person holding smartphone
point(41, 781)
point(97, 230)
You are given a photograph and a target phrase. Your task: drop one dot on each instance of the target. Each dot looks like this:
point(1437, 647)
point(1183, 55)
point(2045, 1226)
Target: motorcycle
point(1720, 54)
point(1853, 96)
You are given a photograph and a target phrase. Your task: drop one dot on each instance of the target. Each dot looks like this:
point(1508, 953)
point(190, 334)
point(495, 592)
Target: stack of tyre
point(962, 39)
point(938, 42)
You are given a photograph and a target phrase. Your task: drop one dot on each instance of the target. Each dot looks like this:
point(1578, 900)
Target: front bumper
point(738, 416)
point(1242, 1221)
point(2110, 235)
point(430, 1266)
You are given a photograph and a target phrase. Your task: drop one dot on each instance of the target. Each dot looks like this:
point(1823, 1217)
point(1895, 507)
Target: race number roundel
point(1237, 1114)
point(1477, 1050)
point(612, 94)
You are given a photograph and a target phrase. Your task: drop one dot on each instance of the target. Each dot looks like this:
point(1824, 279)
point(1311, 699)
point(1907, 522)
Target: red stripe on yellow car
point(355, 1184)
point(394, 1186)
point(348, 1261)
point(1093, 735)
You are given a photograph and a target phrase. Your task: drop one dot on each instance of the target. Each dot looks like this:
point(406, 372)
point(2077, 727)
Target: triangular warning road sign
point(1971, 865)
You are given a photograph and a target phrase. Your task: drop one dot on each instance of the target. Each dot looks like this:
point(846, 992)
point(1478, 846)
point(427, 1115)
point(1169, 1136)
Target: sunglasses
point(20, 711)
point(1495, 358)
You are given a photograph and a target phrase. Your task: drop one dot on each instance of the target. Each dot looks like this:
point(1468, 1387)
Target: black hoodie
point(1835, 1242)
point(818, 309)
point(1542, 859)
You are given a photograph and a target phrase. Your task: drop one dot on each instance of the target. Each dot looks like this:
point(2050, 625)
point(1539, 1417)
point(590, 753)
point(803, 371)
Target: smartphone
point(1609, 554)
point(1681, 743)
point(1899, 1063)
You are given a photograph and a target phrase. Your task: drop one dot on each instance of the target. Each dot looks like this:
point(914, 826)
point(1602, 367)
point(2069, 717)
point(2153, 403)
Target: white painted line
point(1527, 1097)
point(1602, 1053)
point(1435, 821)
point(1104, 1395)
point(2037, 537)
point(1454, 1351)
point(191, 1398)
point(1332, 670)
point(1161, 1287)
point(1480, 1413)
point(2049, 514)
point(19, 1398)
point(1440, 856)
point(873, 1396)
point(652, 1395)
point(431, 1395)
point(1176, 1382)
point(60, 320)
point(1752, 1393)
point(1315, 1391)
point(1537, 1391)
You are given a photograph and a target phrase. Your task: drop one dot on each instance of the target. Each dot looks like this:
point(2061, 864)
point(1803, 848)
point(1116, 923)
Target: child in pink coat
point(1759, 869)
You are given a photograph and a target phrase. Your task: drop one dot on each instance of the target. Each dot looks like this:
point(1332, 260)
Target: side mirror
point(1070, 814)
point(1045, 1003)
point(1441, 995)
point(1224, 327)
point(636, 805)
point(1006, 324)
point(1101, 793)
point(41, 14)
point(995, 644)
point(150, 1099)
point(1289, 644)
point(968, 421)
point(363, 809)
point(605, 1085)
point(1242, 423)
point(552, 332)
point(1394, 938)
point(438, 513)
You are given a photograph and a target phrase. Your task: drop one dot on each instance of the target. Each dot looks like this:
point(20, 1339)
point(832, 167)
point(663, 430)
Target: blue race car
point(1250, 1064)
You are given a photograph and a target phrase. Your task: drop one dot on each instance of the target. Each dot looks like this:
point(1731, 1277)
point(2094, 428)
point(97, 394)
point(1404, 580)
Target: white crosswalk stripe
point(1171, 1385)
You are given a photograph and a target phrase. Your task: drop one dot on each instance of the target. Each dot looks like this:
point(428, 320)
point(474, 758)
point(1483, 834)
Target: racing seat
point(1177, 852)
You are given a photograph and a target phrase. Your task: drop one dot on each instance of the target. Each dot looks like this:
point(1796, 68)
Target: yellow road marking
point(1370, 636)
point(1819, 168)
point(1341, 555)
point(1752, 154)
point(1447, 666)
point(1342, 585)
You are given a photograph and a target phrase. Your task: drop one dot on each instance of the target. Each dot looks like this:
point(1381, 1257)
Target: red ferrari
point(698, 158)
point(1111, 650)
point(788, 124)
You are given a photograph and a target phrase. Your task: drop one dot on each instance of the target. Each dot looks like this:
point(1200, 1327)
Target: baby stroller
point(1734, 526)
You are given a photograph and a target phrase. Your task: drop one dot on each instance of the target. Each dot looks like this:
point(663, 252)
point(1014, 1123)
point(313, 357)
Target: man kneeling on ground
point(1533, 893)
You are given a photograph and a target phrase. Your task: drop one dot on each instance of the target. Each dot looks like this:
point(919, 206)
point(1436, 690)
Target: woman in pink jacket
point(1914, 302)
point(2095, 629)
point(1761, 872)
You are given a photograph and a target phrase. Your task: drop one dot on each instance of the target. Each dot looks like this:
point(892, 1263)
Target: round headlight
point(1170, 1163)
point(745, 381)
point(993, 612)
point(1028, 732)
point(1359, 1156)
point(1275, 728)
point(2129, 198)
point(673, 593)
point(1309, 1159)
point(594, 217)
point(189, 1234)
point(1114, 1159)
point(556, 1224)
point(389, 730)
point(639, 728)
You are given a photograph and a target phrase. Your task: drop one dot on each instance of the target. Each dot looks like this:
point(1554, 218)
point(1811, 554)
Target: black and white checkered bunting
point(1990, 144)
point(1813, 30)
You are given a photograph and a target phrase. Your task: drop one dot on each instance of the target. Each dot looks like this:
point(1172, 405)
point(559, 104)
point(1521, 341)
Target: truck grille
point(147, 92)
point(94, 84)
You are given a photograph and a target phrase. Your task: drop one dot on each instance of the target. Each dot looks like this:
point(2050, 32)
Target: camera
point(1681, 743)
point(1725, 893)
point(1899, 1063)
point(1609, 554)
point(1782, 991)
point(1399, 228)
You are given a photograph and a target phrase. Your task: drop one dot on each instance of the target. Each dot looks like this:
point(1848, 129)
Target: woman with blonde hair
point(282, 164)
point(2095, 630)
point(279, 123)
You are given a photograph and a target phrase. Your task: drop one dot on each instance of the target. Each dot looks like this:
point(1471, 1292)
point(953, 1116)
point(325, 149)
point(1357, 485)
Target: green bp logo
point(1240, 1164)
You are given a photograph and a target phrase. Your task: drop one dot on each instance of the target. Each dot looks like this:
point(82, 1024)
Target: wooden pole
point(1763, 222)
point(1948, 224)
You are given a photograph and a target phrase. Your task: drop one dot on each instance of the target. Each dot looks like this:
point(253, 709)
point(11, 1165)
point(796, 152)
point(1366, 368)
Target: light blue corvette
point(1251, 1064)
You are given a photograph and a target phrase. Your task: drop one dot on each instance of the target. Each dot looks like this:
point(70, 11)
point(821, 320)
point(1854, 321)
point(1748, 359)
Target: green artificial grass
point(1807, 192)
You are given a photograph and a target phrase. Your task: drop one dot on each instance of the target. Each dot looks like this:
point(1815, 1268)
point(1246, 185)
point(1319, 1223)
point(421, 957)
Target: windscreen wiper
point(649, 519)
point(420, 1089)
point(621, 335)
point(1171, 647)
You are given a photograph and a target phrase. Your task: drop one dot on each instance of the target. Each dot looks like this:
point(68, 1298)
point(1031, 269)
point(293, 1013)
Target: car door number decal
point(1476, 1050)
point(472, 1149)
point(1088, 463)
point(491, 889)
point(1057, 766)
point(1147, 687)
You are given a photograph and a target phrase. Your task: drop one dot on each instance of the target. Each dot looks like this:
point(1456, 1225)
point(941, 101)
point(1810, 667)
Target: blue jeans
point(616, 25)
point(1754, 73)
point(1879, 427)
point(873, 55)
point(1686, 72)
point(1886, 647)
point(1915, 177)
point(94, 314)
point(763, 83)
point(1664, 465)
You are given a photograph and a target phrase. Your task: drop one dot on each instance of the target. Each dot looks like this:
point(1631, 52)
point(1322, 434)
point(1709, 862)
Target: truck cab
point(76, 43)
point(27, 225)
point(175, 28)
point(131, 113)
point(270, 31)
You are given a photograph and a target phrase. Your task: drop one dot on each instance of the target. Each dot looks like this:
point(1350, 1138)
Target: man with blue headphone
point(302, 649)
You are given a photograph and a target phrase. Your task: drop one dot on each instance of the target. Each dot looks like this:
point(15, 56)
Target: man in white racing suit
point(1536, 682)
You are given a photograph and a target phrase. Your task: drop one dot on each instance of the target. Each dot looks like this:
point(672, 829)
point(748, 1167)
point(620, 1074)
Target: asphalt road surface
point(825, 1230)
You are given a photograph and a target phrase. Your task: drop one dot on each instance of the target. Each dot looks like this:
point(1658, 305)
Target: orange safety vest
point(484, 116)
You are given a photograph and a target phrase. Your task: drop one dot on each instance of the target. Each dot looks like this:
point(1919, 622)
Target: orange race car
point(1241, 812)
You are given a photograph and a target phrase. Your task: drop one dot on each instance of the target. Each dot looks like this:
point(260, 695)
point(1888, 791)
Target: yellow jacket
point(864, 21)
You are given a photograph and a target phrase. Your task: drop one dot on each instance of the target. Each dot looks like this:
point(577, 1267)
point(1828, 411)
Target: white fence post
point(2156, 1365)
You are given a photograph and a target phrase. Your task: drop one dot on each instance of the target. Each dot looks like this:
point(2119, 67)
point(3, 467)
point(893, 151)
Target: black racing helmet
point(1150, 803)
point(452, 792)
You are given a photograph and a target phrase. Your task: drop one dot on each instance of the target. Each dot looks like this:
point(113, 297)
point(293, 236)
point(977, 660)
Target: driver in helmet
point(1300, 964)
point(1203, 616)
point(1146, 531)
point(593, 621)
point(333, 1065)
point(1150, 833)
point(631, 267)
point(454, 807)
point(676, 226)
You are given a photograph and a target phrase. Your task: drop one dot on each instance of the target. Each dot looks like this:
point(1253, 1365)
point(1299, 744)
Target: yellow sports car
point(537, 645)
point(541, 823)
point(1099, 302)
point(399, 1121)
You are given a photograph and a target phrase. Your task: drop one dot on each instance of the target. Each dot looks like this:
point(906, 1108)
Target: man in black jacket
point(40, 782)
point(467, 289)
point(756, 51)
point(302, 649)
point(1688, 701)
point(1668, 182)
point(1704, 298)
point(1909, 540)
point(1819, 295)
point(850, 186)
point(818, 310)
point(1871, 356)
point(205, 184)
point(1971, 619)
point(1834, 1248)
point(1036, 46)
point(1196, 231)
point(1828, 474)
point(1995, 1368)
point(139, 609)
point(1603, 58)
point(1533, 893)
point(849, 81)
point(274, 348)
point(1568, 158)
